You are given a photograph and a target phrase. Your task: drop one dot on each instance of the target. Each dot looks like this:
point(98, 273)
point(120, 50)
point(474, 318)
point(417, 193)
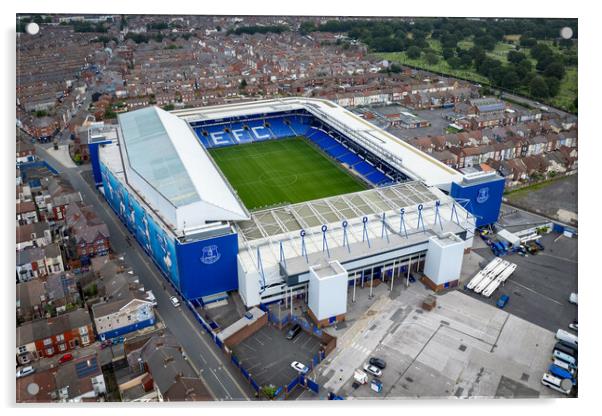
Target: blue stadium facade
point(202, 262)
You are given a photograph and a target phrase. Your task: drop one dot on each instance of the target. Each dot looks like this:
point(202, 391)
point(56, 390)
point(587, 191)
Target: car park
point(301, 368)
point(293, 332)
point(25, 371)
point(372, 369)
point(175, 302)
point(378, 362)
point(65, 358)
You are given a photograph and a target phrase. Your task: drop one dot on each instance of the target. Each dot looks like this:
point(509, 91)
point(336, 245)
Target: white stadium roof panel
point(178, 178)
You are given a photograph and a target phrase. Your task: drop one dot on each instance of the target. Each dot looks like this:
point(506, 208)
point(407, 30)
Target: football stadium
point(288, 197)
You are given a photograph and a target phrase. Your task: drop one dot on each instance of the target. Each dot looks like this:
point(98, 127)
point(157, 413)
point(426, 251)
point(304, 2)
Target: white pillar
point(393, 275)
point(354, 284)
point(371, 281)
point(409, 267)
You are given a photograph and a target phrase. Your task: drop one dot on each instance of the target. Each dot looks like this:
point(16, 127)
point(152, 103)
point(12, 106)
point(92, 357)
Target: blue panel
point(207, 267)
point(93, 147)
point(126, 329)
point(485, 199)
point(152, 237)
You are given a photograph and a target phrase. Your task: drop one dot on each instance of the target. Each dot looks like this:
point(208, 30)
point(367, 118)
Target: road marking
point(220, 382)
point(536, 292)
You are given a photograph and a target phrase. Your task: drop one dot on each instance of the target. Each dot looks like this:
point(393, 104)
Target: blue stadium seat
point(364, 168)
point(378, 178)
point(280, 129)
point(349, 158)
point(258, 130)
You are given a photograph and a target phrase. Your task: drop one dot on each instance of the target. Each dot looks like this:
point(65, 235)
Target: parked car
point(301, 368)
point(249, 315)
point(25, 371)
point(293, 332)
point(65, 358)
point(573, 325)
point(502, 301)
point(175, 302)
point(378, 362)
point(372, 369)
point(573, 298)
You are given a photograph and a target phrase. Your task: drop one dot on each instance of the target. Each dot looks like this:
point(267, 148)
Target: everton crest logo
point(210, 255)
point(483, 195)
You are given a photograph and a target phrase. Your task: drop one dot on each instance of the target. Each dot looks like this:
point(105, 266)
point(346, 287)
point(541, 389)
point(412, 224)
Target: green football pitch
point(282, 171)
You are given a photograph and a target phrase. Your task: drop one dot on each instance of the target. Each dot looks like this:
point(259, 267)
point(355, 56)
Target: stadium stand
point(232, 132)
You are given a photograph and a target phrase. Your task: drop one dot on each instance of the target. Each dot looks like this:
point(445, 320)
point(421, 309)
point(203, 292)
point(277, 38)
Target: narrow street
point(221, 377)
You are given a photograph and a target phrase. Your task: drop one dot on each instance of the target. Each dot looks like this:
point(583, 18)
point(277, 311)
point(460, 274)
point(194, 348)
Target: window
point(49, 351)
point(48, 341)
point(62, 347)
point(22, 349)
point(60, 338)
point(85, 339)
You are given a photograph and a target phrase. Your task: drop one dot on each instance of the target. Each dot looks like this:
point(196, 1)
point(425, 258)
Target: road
point(534, 104)
point(221, 377)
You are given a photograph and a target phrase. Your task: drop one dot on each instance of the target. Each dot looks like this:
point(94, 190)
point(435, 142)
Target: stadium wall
point(197, 268)
point(484, 198)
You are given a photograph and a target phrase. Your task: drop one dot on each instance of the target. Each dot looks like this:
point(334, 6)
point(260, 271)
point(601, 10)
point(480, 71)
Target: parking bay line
point(536, 292)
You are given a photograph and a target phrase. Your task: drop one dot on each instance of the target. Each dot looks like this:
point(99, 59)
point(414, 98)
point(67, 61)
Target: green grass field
point(282, 171)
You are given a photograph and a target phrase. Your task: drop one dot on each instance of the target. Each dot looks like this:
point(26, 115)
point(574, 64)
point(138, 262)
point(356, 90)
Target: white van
point(565, 336)
point(556, 384)
point(565, 357)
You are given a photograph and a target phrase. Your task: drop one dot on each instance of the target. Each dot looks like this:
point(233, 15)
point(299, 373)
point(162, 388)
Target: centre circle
point(279, 178)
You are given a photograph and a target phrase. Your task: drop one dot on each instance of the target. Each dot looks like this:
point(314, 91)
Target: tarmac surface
point(540, 287)
point(560, 194)
point(267, 355)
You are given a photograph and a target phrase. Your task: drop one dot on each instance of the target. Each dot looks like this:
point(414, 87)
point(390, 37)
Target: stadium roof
point(413, 162)
point(276, 233)
point(165, 161)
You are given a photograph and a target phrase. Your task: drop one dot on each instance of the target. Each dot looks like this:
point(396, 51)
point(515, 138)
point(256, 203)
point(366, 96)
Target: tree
point(447, 53)
point(510, 79)
point(454, 62)
point(431, 58)
point(555, 69)
point(413, 52)
point(527, 42)
point(516, 57)
point(553, 84)
point(539, 88)
point(523, 68)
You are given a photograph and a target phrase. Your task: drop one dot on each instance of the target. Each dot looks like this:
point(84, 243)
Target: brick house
point(57, 335)
point(89, 234)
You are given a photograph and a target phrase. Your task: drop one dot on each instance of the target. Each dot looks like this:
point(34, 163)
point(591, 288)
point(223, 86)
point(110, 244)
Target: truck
point(360, 376)
point(565, 336)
